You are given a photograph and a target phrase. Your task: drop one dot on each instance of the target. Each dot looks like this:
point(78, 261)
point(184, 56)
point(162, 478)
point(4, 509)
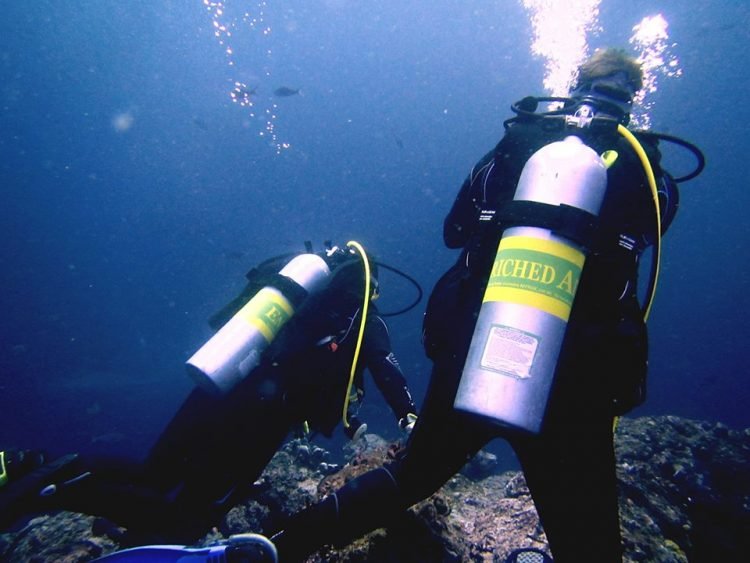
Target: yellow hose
point(655, 194)
point(363, 321)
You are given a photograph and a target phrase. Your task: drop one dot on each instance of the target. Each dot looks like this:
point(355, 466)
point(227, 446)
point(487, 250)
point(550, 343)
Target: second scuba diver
point(218, 444)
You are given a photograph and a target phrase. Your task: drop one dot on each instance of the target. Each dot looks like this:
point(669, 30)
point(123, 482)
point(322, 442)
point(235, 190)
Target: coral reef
point(685, 496)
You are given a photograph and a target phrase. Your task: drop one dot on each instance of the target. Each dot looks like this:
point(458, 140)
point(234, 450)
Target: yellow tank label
point(268, 311)
point(539, 273)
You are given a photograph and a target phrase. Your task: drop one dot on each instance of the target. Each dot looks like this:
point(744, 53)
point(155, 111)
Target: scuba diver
point(290, 351)
point(537, 333)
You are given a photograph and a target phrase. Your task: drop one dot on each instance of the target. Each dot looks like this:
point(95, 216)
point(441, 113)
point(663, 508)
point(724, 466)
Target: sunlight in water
point(560, 37)
point(560, 29)
point(244, 92)
point(650, 39)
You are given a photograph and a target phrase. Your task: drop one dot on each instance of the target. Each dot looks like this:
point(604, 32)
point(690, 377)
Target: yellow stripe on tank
point(538, 273)
point(530, 298)
point(267, 311)
point(555, 248)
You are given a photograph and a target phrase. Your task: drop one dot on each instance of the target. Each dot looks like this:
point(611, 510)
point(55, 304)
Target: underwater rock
point(65, 537)
point(371, 452)
point(685, 489)
point(685, 496)
point(481, 466)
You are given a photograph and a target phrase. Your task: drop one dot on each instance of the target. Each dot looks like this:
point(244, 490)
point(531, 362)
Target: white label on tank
point(509, 351)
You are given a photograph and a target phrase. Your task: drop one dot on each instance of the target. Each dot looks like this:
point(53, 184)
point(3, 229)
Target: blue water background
point(116, 246)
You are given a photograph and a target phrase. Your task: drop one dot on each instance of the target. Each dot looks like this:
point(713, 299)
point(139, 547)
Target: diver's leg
point(101, 486)
point(570, 466)
point(217, 438)
point(216, 446)
point(571, 475)
point(438, 447)
point(142, 499)
point(187, 437)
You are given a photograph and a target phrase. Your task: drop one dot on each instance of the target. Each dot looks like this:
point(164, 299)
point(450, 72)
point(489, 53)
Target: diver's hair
point(605, 62)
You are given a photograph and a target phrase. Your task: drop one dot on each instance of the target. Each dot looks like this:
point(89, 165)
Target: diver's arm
point(457, 224)
point(382, 364)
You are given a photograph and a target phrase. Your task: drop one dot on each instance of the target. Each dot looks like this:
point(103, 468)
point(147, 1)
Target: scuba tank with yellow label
point(232, 353)
point(519, 333)
point(552, 221)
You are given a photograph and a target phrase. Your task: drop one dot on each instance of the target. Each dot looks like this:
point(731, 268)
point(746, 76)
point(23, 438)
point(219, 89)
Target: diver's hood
point(612, 95)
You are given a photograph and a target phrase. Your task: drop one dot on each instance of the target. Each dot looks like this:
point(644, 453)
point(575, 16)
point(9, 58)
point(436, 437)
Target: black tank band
point(293, 291)
point(570, 222)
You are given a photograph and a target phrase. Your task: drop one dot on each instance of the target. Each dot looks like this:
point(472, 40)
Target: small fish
point(234, 255)
point(285, 92)
point(399, 142)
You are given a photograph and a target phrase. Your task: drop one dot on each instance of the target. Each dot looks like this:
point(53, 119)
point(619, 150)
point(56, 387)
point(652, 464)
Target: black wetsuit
point(570, 466)
point(215, 447)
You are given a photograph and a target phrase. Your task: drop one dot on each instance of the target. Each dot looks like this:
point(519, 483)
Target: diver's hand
point(356, 429)
point(407, 423)
point(361, 431)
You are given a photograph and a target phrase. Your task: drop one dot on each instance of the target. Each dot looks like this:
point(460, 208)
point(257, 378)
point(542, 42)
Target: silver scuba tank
point(522, 321)
point(232, 353)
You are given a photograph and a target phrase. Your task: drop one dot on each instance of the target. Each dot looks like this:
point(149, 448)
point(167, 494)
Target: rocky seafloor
point(684, 496)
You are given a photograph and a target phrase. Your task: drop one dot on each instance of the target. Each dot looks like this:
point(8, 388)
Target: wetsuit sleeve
point(382, 364)
point(458, 222)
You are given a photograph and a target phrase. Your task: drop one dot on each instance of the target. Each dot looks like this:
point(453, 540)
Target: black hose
point(697, 153)
point(411, 280)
